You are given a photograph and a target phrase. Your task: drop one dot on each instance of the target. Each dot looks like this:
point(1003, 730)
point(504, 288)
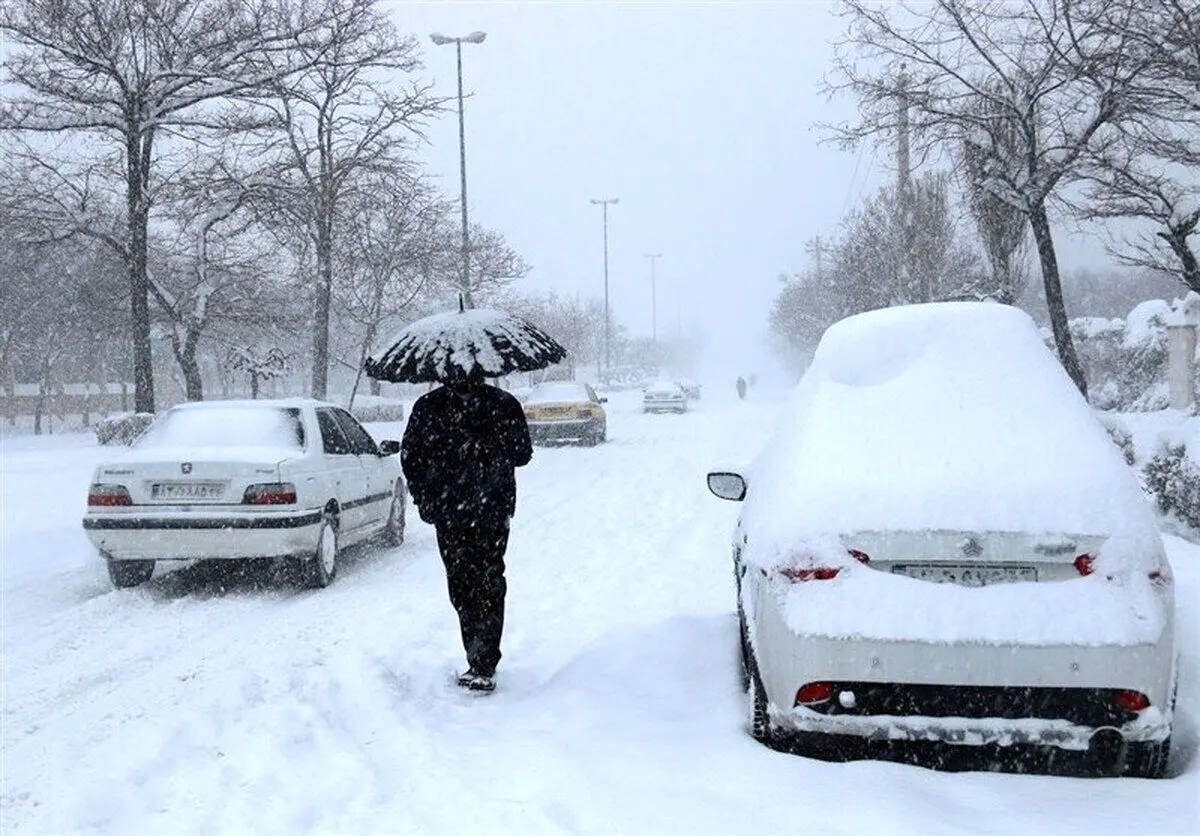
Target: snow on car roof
point(945, 416)
point(663, 386)
point(240, 424)
point(557, 392)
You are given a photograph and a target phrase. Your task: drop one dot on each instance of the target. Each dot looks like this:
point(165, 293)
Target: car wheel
point(321, 568)
point(1147, 759)
point(127, 573)
point(393, 532)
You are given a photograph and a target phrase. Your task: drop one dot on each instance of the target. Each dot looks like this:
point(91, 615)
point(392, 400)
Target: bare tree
point(389, 256)
point(1003, 228)
point(1059, 71)
point(136, 72)
point(348, 115)
point(1149, 172)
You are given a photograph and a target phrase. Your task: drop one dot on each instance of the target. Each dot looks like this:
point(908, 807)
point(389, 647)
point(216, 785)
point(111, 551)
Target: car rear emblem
point(972, 547)
point(186, 467)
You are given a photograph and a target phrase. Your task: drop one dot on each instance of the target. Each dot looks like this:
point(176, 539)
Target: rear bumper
point(206, 535)
point(665, 406)
point(972, 694)
point(574, 428)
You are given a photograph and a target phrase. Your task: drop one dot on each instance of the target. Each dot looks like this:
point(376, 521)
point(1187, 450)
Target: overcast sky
point(699, 117)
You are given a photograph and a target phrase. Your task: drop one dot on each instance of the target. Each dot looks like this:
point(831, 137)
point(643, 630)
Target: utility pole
point(604, 204)
point(816, 248)
point(653, 304)
point(904, 197)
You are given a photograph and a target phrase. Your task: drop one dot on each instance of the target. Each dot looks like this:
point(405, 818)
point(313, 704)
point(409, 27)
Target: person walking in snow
point(741, 388)
point(460, 450)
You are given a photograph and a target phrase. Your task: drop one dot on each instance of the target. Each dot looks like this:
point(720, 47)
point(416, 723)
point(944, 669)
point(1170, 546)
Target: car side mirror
point(727, 485)
point(389, 448)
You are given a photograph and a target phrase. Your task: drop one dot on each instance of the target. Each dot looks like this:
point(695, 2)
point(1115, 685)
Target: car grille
point(1083, 706)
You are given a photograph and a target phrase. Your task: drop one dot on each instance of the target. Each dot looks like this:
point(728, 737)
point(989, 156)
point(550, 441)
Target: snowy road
point(194, 705)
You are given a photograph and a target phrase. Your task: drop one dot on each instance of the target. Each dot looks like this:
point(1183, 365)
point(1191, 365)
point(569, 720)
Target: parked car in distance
point(941, 548)
point(664, 396)
point(298, 479)
point(690, 388)
point(565, 411)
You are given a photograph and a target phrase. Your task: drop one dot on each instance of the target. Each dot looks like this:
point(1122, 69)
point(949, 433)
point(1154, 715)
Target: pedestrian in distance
point(460, 450)
point(741, 388)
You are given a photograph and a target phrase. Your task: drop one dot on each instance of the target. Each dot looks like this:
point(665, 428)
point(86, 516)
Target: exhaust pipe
point(1106, 752)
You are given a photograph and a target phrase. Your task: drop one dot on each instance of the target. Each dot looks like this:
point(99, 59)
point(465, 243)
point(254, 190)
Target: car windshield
point(226, 426)
point(557, 393)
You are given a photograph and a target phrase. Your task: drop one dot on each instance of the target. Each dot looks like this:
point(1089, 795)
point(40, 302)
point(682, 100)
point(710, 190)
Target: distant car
point(244, 479)
point(565, 410)
point(690, 388)
point(941, 547)
point(664, 396)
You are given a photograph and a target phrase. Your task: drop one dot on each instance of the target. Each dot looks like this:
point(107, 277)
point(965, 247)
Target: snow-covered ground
point(201, 705)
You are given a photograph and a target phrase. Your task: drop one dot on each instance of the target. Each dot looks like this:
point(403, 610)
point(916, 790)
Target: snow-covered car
point(664, 396)
point(298, 479)
point(565, 410)
point(941, 544)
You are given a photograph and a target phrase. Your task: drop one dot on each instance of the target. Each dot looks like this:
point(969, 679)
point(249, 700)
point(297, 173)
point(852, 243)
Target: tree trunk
point(138, 146)
point(320, 360)
point(1054, 297)
point(1177, 239)
point(185, 355)
point(253, 385)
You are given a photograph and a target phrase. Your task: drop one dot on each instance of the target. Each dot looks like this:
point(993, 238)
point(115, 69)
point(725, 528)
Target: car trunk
point(195, 477)
point(977, 558)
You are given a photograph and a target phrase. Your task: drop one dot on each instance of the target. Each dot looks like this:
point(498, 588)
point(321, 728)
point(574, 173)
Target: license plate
point(967, 575)
point(186, 490)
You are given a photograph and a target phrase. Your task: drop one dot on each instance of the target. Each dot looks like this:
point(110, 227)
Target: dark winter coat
point(459, 452)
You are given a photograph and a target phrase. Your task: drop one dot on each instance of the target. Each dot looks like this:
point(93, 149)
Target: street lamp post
point(604, 204)
point(653, 304)
point(465, 274)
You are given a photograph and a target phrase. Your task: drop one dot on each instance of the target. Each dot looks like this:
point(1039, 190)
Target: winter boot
point(473, 680)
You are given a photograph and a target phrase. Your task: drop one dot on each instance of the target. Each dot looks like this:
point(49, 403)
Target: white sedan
point(942, 550)
point(664, 396)
point(245, 479)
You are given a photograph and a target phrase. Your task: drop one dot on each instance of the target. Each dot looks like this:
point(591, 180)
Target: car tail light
point(109, 495)
point(861, 557)
point(814, 693)
point(821, 573)
point(270, 493)
point(1083, 564)
point(1131, 700)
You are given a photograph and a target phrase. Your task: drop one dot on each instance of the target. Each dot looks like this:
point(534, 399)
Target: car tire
point(1147, 759)
point(393, 530)
point(320, 569)
point(129, 573)
point(760, 719)
point(743, 651)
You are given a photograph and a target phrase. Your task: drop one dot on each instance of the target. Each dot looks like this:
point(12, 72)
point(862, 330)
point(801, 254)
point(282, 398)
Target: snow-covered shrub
point(1121, 436)
point(1173, 475)
point(1125, 360)
point(122, 428)
point(373, 408)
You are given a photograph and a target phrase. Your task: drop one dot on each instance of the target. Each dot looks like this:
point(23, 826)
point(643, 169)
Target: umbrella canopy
point(445, 346)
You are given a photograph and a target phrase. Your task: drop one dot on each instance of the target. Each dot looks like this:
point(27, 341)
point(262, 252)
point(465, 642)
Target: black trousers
point(474, 557)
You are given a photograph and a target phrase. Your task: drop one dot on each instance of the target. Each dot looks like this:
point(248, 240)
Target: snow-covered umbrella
point(447, 345)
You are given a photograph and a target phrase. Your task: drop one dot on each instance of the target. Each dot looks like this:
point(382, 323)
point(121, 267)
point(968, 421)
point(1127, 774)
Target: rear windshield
point(226, 426)
point(557, 393)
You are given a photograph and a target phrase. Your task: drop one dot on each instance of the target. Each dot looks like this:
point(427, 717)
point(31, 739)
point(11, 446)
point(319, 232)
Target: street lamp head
point(440, 40)
point(475, 37)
